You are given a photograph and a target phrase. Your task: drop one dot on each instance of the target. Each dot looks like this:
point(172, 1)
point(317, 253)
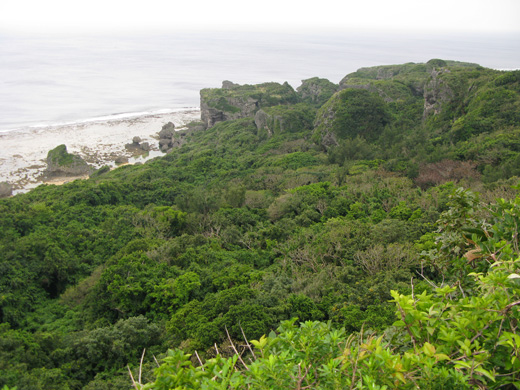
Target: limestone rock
point(62, 163)
point(262, 121)
point(121, 160)
point(226, 84)
point(235, 101)
point(138, 147)
point(316, 91)
point(6, 189)
point(436, 92)
point(167, 131)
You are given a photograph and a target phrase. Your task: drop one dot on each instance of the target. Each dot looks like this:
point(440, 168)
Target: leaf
point(429, 349)
point(514, 276)
point(400, 376)
point(399, 323)
point(441, 356)
point(462, 364)
point(485, 373)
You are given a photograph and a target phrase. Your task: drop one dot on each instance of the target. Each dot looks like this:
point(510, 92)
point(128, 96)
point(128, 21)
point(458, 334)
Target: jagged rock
point(226, 84)
point(165, 144)
point(262, 120)
point(436, 92)
point(137, 147)
point(62, 163)
point(167, 131)
point(241, 101)
point(316, 91)
point(121, 160)
point(6, 189)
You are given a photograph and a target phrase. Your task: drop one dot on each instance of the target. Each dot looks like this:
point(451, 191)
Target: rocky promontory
point(234, 101)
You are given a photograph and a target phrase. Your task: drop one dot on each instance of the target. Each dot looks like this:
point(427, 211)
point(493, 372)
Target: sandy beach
point(23, 152)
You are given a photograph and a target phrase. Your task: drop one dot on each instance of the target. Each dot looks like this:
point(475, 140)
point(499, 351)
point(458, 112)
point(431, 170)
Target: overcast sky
point(149, 15)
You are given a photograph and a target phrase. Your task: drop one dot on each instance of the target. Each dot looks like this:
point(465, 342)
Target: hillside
point(315, 204)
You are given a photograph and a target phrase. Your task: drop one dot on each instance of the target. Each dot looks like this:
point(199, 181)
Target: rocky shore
point(23, 153)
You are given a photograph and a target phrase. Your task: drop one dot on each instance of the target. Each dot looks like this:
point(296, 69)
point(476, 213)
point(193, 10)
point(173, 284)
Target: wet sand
point(23, 152)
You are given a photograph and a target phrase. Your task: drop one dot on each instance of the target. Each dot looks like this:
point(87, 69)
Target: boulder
point(167, 131)
point(6, 189)
point(121, 160)
point(165, 144)
point(138, 147)
point(62, 163)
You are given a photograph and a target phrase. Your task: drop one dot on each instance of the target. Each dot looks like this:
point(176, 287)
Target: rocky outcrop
point(234, 101)
point(169, 138)
point(285, 118)
point(348, 114)
point(62, 163)
point(263, 121)
point(6, 189)
point(137, 146)
point(119, 160)
point(436, 92)
point(316, 91)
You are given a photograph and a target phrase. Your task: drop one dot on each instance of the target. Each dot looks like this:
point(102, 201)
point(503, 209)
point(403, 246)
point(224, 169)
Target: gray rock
point(136, 140)
point(226, 84)
point(316, 91)
point(121, 160)
point(262, 121)
point(6, 189)
point(436, 92)
point(235, 101)
point(167, 131)
point(62, 163)
point(145, 146)
point(165, 144)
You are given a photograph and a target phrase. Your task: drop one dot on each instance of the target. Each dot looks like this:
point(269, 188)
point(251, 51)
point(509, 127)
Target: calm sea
point(46, 80)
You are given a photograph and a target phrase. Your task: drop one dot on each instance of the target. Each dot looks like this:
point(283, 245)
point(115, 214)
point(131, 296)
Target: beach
point(99, 142)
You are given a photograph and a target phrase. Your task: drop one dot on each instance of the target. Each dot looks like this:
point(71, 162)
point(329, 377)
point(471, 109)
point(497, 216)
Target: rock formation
point(316, 91)
point(234, 101)
point(169, 138)
point(6, 189)
point(137, 146)
point(62, 163)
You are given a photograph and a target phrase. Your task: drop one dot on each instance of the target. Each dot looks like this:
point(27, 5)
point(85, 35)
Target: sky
point(66, 16)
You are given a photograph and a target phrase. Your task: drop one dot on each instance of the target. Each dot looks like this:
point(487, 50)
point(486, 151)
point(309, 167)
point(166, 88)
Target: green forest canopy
point(336, 241)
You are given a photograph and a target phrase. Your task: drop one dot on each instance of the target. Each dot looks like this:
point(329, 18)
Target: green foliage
point(267, 94)
point(316, 91)
point(446, 340)
point(355, 112)
point(241, 229)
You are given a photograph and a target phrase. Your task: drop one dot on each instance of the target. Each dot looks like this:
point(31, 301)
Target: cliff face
point(234, 101)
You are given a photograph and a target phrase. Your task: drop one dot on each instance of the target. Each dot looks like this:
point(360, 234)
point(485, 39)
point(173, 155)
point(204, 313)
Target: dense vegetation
point(342, 211)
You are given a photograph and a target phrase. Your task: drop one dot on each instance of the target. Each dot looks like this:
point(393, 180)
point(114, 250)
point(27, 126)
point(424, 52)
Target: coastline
point(99, 142)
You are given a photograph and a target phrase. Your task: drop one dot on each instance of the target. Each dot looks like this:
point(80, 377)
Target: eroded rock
point(62, 163)
point(6, 189)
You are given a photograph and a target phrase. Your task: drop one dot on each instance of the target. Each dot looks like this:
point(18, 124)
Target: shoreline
point(99, 142)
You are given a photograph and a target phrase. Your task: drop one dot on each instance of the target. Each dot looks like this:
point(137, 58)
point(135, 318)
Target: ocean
point(50, 80)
